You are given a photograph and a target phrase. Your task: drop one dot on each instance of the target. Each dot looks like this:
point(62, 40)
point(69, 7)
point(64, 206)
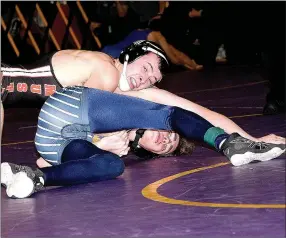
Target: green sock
point(214, 136)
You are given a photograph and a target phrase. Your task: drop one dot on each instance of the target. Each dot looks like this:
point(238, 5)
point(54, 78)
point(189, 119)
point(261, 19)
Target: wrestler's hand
point(117, 143)
point(274, 139)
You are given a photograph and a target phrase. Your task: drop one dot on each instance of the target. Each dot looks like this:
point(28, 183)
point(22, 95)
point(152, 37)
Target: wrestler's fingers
point(278, 138)
point(126, 151)
point(275, 140)
point(126, 142)
point(125, 146)
point(124, 134)
point(282, 140)
point(119, 133)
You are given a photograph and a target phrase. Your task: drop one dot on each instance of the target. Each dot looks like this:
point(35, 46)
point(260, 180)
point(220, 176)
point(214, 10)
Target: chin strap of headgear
point(139, 133)
point(123, 84)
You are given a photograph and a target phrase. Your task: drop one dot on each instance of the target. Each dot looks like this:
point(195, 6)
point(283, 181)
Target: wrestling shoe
point(240, 150)
point(20, 181)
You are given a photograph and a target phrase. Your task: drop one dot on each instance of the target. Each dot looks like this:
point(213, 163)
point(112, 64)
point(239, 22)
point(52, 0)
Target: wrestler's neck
point(118, 65)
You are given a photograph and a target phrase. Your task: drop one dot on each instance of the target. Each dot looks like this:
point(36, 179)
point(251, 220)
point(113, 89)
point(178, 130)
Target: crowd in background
point(198, 29)
point(246, 33)
point(207, 32)
point(199, 35)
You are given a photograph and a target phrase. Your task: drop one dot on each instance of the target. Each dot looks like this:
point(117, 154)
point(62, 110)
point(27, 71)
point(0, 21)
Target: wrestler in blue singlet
point(115, 50)
point(69, 118)
point(78, 112)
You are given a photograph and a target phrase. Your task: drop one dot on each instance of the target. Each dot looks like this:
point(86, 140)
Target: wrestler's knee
point(109, 165)
point(80, 149)
point(106, 165)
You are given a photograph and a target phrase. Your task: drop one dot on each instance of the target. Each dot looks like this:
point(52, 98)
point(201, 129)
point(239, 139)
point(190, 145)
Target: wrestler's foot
point(240, 150)
point(20, 181)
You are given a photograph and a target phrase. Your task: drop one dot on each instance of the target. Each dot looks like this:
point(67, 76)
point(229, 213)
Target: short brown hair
point(185, 147)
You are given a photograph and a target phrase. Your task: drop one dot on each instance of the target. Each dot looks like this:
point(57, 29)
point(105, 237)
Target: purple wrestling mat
point(200, 195)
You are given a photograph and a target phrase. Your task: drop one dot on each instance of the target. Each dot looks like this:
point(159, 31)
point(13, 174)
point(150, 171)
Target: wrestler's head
point(143, 72)
point(143, 64)
point(154, 143)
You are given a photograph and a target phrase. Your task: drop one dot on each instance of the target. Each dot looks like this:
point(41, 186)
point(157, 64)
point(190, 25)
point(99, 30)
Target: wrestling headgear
point(137, 149)
point(135, 51)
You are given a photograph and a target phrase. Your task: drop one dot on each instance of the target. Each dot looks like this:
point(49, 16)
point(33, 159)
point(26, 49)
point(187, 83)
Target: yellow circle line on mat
point(151, 193)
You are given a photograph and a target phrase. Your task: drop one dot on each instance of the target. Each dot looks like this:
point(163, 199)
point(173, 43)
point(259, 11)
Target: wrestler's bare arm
point(85, 68)
point(104, 75)
point(71, 67)
point(164, 97)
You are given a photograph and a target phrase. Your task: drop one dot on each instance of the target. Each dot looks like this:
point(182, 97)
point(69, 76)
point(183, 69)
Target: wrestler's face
point(159, 142)
point(143, 72)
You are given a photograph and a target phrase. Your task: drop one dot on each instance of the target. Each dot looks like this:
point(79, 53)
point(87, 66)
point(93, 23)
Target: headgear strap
point(139, 134)
point(140, 48)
